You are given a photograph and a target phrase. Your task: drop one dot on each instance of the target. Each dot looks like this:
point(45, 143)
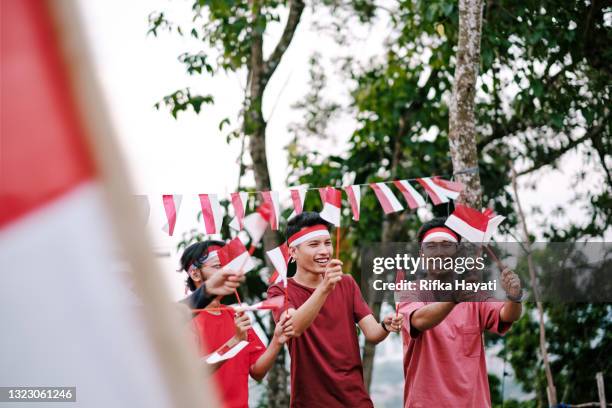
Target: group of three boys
point(444, 361)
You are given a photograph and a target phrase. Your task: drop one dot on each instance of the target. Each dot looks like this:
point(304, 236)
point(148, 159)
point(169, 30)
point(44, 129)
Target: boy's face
point(439, 249)
point(313, 255)
point(207, 270)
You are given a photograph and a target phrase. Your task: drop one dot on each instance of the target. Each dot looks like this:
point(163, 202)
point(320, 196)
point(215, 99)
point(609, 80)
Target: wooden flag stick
point(499, 263)
point(338, 242)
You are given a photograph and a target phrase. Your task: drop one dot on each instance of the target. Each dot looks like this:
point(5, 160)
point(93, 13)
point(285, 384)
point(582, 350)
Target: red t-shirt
point(445, 366)
point(326, 368)
point(232, 378)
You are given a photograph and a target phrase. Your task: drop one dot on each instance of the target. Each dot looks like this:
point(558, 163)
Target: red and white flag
point(386, 198)
point(226, 352)
point(256, 223)
point(354, 196)
point(271, 198)
point(331, 206)
point(172, 205)
point(273, 303)
point(494, 222)
point(235, 256)
point(412, 197)
point(211, 213)
point(473, 225)
point(63, 191)
point(440, 190)
point(279, 257)
point(322, 192)
point(297, 197)
point(239, 202)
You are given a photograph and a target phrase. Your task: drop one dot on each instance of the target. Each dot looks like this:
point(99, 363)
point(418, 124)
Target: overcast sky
point(190, 155)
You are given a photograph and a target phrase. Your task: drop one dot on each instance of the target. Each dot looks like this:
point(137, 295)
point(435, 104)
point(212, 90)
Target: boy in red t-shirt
point(217, 329)
point(323, 307)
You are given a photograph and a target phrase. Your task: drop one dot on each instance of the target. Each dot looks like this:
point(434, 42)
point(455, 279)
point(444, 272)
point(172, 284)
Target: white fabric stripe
point(216, 357)
point(440, 191)
point(464, 229)
point(492, 227)
point(331, 214)
point(440, 234)
point(275, 203)
point(279, 262)
point(238, 262)
point(255, 225)
point(395, 204)
point(73, 302)
point(309, 236)
point(413, 193)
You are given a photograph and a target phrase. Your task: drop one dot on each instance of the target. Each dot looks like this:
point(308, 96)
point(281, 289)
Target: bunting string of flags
point(438, 189)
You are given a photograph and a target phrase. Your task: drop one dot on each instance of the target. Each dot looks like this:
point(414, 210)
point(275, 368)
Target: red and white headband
point(440, 233)
point(307, 234)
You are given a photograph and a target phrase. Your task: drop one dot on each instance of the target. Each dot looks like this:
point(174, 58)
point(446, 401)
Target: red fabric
point(326, 368)
point(231, 251)
point(445, 366)
point(44, 149)
point(232, 378)
point(297, 201)
point(170, 209)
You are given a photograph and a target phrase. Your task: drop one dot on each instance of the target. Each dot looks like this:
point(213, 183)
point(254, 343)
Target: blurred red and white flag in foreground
point(72, 312)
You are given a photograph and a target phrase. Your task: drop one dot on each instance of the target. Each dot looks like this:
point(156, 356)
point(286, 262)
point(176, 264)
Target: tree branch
point(593, 133)
point(296, 8)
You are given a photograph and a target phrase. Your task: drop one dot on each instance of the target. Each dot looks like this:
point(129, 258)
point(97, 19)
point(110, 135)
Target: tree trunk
point(260, 72)
point(462, 123)
point(390, 225)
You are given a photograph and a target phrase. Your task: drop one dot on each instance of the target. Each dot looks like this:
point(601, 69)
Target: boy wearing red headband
point(444, 359)
point(223, 328)
point(323, 307)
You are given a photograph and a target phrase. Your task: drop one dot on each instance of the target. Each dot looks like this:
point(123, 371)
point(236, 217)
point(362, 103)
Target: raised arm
point(429, 316)
point(303, 317)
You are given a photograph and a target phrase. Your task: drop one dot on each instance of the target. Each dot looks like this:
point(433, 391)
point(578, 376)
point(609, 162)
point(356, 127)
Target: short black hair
point(305, 219)
point(192, 254)
point(433, 223)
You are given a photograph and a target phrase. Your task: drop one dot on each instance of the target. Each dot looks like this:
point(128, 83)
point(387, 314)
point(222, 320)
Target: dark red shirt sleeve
point(278, 290)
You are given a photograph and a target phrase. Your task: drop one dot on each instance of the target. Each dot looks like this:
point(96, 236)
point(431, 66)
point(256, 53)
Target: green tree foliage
point(543, 91)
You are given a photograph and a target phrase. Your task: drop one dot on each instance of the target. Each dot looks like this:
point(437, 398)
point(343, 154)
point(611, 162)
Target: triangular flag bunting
point(331, 206)
point(271, 198)
point(239, 202)
point(172, 204)
point(412, 197)
point(211, 213)
point(354, 195)
point(439, 190)
point(386, 198)
point(297, 197)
